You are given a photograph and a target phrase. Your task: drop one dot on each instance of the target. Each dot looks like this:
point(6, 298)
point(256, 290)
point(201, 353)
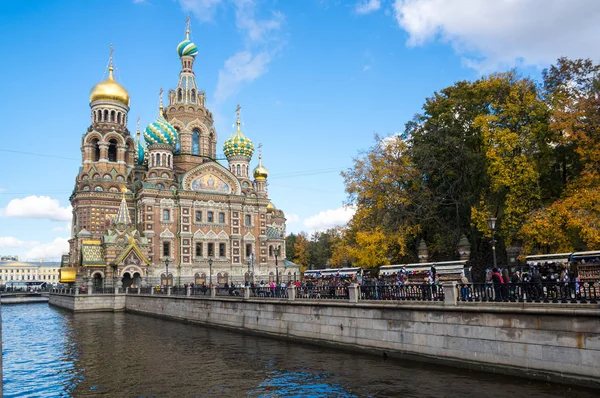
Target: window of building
point(221, 249)
point(112, 150)
point(270, 251)
point(198, 216)
point(95, 150)
point(211, 250)
point(222, 218)
point(166, 249)
point(248, 220)
point(166, 215)
point(248, 249)
point(196, 142)
point(210, 216)
point(198, 249)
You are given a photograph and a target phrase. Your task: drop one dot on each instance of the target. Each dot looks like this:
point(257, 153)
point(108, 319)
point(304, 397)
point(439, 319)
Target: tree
point(301, 249)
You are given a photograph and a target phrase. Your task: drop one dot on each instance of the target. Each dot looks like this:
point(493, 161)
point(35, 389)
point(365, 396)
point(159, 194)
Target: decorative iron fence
point(547, 292)
point(269, 292)
point(200, 291)
point(322, 292)
point(179, 291)
point(424, 292)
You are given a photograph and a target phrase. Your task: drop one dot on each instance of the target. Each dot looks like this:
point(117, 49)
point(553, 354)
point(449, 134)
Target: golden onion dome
point(260, 172)
point(109, 90)
point(270, 208)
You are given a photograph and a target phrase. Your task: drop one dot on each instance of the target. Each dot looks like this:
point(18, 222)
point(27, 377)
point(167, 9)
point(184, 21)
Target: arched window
point(238, 169)
point(95, 150)
point(270, 251)
point(112, 150)
point(195, 142)
point(193, 95)
point(157, 160)
point(179, 95)
point(119, 117)
point(164, 160)
point(105, 118)
point(113, 116)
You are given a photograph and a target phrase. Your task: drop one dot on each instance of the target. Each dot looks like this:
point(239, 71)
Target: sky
point(316, 80)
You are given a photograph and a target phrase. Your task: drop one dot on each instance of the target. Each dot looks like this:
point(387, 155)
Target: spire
point(137, 130)
point(110, 62)
point(160, 107)
point(187, 28)
point(122, 216)
point(237, 114)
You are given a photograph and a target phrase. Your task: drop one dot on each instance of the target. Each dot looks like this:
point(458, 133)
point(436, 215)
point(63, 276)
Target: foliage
point(503, 146)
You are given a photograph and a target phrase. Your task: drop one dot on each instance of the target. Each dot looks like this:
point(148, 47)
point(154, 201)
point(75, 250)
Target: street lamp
point(167, 266)
point(210, 265)
point(492, 224)
point(277, 265)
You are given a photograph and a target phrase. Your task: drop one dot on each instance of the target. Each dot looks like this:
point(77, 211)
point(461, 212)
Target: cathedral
point(159, 208)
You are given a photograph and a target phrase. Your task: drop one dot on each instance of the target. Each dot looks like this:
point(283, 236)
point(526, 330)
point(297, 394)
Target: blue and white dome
point(161, 132)
point(188, 48)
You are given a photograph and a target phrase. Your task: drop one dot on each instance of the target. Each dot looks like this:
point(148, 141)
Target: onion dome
point(270, 208)
point(238, 144)
point(188, 48)
point(260, 172)
point(109, 90)
point(141, 153)
point(161, 132)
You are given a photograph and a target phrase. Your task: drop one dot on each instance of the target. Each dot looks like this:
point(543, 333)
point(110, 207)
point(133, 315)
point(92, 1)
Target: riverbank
point(540, 342)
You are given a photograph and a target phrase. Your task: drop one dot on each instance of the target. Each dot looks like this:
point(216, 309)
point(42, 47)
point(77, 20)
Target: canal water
point(48, 352)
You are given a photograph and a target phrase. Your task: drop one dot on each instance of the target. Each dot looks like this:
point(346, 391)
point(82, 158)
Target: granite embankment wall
point(556, 342)
point(89, 303)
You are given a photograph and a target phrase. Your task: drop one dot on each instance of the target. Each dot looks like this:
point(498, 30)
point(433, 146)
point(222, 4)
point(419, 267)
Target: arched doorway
point(98, 281)
point(164, 281)
point(137, 280)
point(127, 281)
point(200, 279)
point(222, 278)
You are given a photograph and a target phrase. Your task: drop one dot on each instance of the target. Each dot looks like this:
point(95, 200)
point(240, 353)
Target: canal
point(48, 352)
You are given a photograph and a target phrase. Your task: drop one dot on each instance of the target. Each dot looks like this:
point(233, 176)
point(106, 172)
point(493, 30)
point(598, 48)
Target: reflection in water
point(49, 352)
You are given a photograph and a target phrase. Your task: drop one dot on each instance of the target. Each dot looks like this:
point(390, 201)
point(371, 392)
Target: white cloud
point(292, 218)
point(330, 218)
point(366, 68)
point(504, 33)
point(204, 10)
point(38, 207)
point(367, 6)
point(47, 251)
point(9, 241)
point(65, 228)
point(241, 67)
point(256, 29)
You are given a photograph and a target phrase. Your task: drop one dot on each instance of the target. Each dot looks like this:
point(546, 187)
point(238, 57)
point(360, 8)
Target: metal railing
point(423, 292)
point(269, 292)
point(322, 292)
point(200, 291)
point(179, 291)
point(547, 292)
point(103, 290)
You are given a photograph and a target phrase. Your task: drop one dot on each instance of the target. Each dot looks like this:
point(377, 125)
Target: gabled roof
point(132, 247)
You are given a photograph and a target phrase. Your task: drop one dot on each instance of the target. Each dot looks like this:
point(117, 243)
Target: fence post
point(89, 287)
point(291, 291)
point(152, 289)
point(77, 291)
point(126, 290)
point(169, 290)
point(246, 292)
point(188, 291)
point(139, 290)
point(450, 296)
point(213, 291)
point(353, 293)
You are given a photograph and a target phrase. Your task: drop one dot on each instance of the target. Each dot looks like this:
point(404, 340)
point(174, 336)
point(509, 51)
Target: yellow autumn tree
point(301, 248)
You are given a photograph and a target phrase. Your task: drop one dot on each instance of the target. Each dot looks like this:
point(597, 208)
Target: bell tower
point(187, 111)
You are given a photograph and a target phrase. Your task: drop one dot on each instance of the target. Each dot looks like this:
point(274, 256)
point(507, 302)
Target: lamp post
point(167, 274)
point(210, 265)
point(277, 265)
point(492, 224)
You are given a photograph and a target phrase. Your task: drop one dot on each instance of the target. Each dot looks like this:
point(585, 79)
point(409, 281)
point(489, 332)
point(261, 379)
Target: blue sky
point(316, 80)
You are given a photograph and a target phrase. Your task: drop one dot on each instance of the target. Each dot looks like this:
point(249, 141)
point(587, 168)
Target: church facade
point(162, 208)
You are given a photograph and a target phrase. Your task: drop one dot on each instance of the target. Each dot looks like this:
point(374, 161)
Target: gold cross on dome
point(237, 112)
